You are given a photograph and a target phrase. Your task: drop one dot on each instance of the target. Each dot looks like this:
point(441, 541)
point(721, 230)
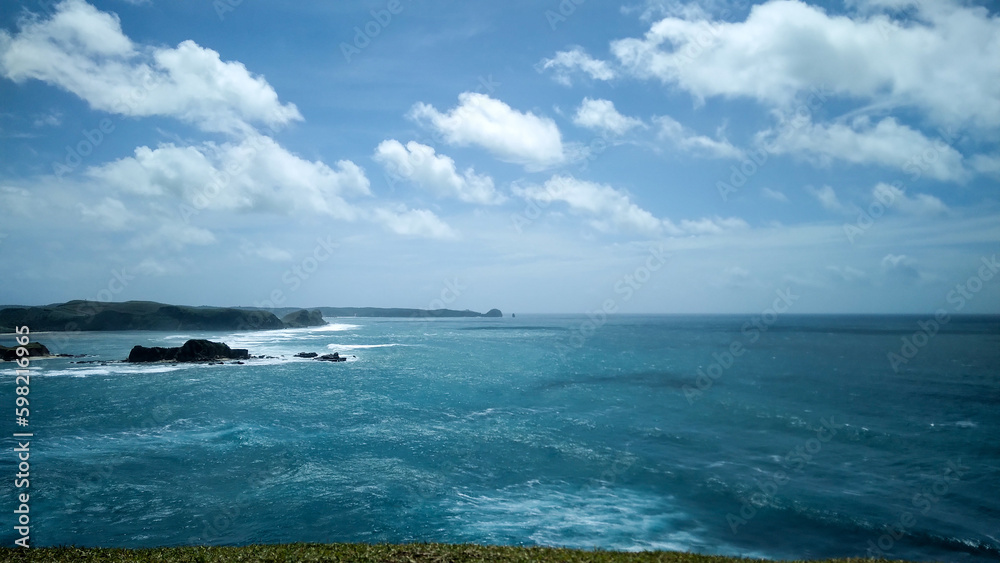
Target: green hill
point(133, 315)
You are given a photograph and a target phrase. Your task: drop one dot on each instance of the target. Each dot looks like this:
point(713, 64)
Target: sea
point(797, 437)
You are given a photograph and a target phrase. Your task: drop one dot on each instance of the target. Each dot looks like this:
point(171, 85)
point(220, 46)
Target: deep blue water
point(538, 430)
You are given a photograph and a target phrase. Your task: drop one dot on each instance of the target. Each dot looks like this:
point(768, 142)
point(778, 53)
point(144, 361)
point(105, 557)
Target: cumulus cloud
point(775, 195)
point(414, 223)
point(256, 174)
point(920, 204)
point(886, 143)
point(436, 173)
point(510, 135)
point(787, 47)
point(110, 214)
point(900, 267)
point(827, 197)
point(705, 226)
point(565, 63)
point(613, 210)
point(174, 235)
point(986, 164)
point(84, 51)
point(690, 142)
point(601, 116)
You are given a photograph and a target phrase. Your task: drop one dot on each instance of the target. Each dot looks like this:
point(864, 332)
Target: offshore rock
point(191, 351)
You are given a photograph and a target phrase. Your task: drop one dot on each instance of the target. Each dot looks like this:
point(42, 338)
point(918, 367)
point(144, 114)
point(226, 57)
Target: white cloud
point(827, 197)
point(847, 273)
point(414, 223)
point(901, 267)
point(775, 195)
point(887, 143)
point(512, 136)
point(151, 267)
point(110, 214)
point(50, 119)
point(564, 63)
point(986, 164)
point(265, 251)
point(611, 208)
point(174, 235)
point(601, 115)
point(705, 226)
point(920, 204)
point(437, 173)
point(84, 51)
point(16, 201)
point(787, 47)
point(254, 175)
point(692, 143)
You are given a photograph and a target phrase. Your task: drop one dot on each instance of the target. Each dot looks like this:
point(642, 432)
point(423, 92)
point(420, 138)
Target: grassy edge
point(363, 553)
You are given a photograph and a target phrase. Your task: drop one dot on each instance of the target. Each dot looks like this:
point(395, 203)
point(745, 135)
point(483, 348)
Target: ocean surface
point(791, 438)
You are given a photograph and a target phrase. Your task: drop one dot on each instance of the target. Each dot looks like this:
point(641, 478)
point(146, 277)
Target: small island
point(191, 351)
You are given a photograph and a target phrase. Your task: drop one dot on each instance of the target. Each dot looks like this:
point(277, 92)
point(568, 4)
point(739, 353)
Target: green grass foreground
point(363, 553)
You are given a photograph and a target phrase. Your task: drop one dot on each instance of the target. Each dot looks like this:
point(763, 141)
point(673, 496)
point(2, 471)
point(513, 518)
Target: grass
point(361, 553)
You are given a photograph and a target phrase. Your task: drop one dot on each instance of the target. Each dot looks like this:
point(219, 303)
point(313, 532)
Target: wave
point(341, 347)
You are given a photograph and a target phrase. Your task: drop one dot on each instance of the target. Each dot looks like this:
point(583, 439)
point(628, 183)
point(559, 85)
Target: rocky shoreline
point(193, 351)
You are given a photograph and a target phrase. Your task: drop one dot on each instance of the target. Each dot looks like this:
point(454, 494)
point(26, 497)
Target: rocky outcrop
point(191, 351)
point(303, 319)
point(35, 349)
point(493, 313)
point(334, 357)
point(306, 355)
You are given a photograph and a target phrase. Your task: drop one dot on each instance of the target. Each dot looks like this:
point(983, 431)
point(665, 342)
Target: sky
point(574, 156)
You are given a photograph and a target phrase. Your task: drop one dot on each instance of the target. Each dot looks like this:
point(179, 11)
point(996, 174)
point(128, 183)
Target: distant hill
point(133, 315)
point(149, 315)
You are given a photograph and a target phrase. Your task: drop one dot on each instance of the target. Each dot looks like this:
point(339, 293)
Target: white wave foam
point(340, 347)
point(334, 327)
point(620, 519)
point(110, 369)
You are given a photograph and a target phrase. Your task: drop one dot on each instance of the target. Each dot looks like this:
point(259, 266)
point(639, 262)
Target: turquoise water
point(538, 430)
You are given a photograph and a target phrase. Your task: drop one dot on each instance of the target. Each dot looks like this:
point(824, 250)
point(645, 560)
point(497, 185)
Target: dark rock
point(334, 357)
point(142, 354)
point(34, 349)
point(303, 318)
point(493, 313)
point(306, 355)
point(191, 351)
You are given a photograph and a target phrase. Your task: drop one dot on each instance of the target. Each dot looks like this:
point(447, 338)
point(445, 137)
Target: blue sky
point(646, 157)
